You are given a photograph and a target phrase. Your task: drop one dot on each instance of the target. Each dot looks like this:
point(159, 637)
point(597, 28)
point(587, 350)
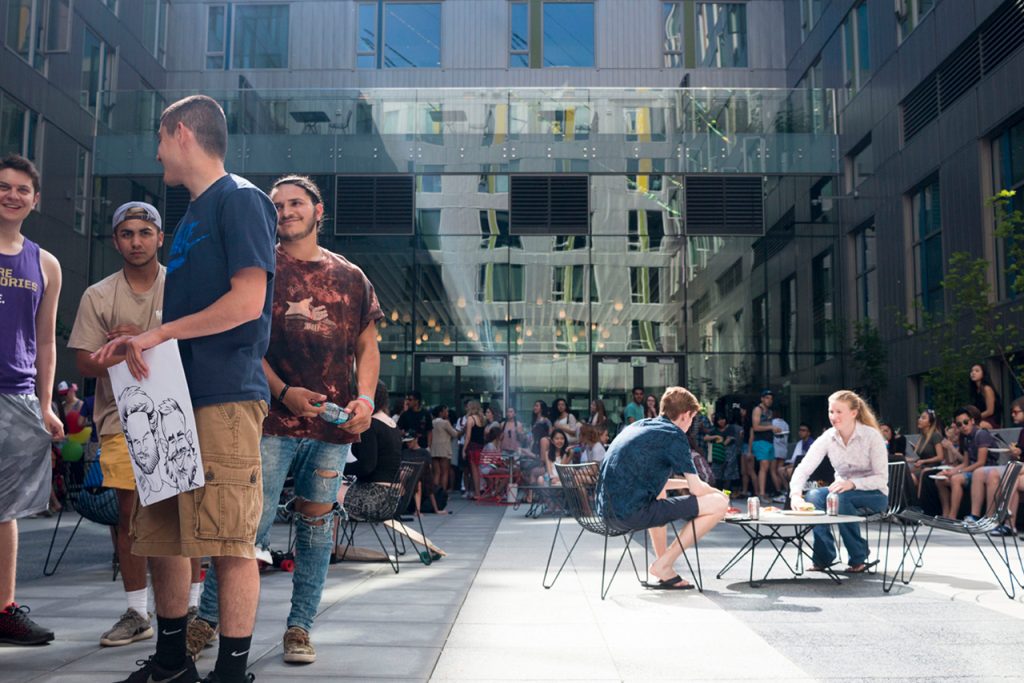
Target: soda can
point(754, 507)
point(832, 505)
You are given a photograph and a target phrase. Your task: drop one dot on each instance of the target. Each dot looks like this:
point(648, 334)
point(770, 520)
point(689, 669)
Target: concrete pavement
point(481, 614)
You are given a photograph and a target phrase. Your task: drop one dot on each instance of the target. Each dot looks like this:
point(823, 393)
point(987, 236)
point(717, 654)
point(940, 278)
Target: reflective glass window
point(82, 183)
point(788, 317)
point(569, 34)
point(366, 49)
point(910, 13)
point(672, 33)
point(154, 27)
point(1008, 174)
point(810, 12)
point(216, 36)
point(260, 37)
point(494, 228)
point(928, 257)
point(18, 128)
point(866, 275)
point(25, 24)
point(856, 48)
point(823, 305)
point(92, 68)
point(412, 35)
point(548, 377)
point(862, 163)
point(646, 230)
point(519, 35)
point(499, 282)
point(721, 34)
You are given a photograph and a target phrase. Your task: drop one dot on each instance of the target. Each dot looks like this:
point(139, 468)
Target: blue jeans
point(855, 502)
point(313, 535)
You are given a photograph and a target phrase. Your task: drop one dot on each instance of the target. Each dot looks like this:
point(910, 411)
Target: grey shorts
point(24, 457)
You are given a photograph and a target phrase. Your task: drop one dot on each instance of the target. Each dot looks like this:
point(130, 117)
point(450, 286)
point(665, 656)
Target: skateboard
point(285, 561)
point(432, 552)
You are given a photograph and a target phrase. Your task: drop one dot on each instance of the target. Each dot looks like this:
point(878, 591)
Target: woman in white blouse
point(855, 447)
point(566, 420)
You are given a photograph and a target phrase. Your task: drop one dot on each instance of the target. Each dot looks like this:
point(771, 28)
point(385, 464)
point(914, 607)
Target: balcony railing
point(597, 130)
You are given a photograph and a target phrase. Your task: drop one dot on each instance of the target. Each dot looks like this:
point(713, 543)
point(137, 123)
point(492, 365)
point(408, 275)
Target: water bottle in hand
point(334, 414)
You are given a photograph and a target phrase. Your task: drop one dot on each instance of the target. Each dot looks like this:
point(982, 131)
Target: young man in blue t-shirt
point(636, 472)
point(217, 304)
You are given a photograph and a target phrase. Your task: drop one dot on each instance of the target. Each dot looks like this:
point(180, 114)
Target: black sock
point(232, 658)
point(170, 641)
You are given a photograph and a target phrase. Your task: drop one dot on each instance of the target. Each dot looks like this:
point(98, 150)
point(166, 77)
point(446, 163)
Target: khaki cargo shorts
point(220, 518)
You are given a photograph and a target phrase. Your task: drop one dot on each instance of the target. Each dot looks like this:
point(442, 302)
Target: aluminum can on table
point(832, 504)
point(754, 507)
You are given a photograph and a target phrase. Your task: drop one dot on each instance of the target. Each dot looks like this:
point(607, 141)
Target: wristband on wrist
point(369, 401)
point(284, 390)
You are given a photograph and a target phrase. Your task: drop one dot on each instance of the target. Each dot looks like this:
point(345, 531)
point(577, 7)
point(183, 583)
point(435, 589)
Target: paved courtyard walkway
point(481, 614)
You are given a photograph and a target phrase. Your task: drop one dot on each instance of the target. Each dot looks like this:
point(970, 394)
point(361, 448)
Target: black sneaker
point(213, 678)
point(151, 672)
point(17, 629)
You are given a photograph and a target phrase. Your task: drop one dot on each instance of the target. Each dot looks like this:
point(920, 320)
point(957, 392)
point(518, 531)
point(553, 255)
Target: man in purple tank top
point(29, 287)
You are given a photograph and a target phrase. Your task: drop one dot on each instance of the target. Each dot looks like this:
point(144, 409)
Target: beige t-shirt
point(105, 305)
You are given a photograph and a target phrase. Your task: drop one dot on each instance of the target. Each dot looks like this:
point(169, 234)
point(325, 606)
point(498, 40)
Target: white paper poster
point(158, 423)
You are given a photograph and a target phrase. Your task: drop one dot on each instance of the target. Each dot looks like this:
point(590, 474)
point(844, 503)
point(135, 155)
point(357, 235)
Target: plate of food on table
point(804, 509)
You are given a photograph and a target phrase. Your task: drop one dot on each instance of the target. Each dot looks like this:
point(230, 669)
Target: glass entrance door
point(451, 380)
point(614, 377)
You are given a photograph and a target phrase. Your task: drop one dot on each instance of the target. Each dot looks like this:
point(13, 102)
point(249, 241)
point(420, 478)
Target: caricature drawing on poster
point(159, 426)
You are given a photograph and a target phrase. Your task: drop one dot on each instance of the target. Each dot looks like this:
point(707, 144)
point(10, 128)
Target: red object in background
point(73, 420)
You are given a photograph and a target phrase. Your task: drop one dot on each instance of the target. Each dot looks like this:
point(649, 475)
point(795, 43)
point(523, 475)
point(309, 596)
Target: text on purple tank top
point(21, 290)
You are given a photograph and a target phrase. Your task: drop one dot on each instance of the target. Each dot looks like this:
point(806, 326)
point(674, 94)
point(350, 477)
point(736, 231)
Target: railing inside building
point(440, 130)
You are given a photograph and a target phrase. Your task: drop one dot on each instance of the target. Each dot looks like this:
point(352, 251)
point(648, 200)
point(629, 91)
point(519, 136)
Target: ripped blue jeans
point(310, 461)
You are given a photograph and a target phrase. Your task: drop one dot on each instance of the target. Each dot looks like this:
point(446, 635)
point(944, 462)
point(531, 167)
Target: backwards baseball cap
point(767, 392)
point(140, 211)
point(64, 387)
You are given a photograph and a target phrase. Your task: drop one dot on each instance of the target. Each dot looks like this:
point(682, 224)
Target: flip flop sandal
point(856, 569)
point(816, 568)
point(676, 583)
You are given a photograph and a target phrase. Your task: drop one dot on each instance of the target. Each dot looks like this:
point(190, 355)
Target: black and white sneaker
point(151, 672)
point(17, 629)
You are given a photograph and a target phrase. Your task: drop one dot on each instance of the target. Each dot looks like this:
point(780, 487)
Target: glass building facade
point(478, 306)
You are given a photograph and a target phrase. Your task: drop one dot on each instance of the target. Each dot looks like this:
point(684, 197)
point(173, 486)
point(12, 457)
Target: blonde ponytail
point(864, 413)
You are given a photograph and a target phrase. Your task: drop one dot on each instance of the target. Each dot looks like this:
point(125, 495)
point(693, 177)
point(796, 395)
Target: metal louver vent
point(959, 72)
point(176, 201)
point(732, 206)
point(375, 205)
point(549, 205)
point(1002, 34)
point(921, 107)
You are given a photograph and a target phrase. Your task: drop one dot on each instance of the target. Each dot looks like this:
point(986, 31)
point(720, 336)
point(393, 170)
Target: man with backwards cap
point(128, 302)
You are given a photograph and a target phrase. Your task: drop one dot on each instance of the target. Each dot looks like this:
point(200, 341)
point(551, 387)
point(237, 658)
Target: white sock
point(137, 600)
point(194, 591)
